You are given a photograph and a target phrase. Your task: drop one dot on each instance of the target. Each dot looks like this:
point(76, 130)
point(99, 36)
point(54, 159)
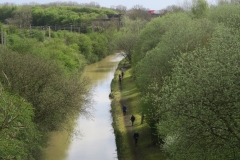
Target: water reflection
point(98, 141)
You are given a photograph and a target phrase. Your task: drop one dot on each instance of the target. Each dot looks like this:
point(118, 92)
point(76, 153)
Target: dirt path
point(130, 130)
point(128, 94)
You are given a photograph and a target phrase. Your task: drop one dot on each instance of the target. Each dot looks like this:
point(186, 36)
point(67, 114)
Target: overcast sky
point(149, 4)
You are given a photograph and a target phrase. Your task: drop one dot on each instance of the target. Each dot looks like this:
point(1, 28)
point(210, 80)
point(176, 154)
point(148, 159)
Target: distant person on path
point(122, 74)
point(120, 78)
point(132, 119)
point(124, 108)
point(135, 137)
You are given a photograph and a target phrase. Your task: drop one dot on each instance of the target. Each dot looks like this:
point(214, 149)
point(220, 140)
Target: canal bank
point(127, 94)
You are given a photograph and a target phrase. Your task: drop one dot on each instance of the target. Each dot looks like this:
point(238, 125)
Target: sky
point(149, 4)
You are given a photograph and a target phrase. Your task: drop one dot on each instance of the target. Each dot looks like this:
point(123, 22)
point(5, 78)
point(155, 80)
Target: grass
point(128, 94)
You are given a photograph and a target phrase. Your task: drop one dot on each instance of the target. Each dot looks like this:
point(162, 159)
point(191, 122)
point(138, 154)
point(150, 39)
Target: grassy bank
point(128, 94)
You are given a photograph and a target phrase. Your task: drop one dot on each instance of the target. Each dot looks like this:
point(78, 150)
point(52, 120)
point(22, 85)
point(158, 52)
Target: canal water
point(97, 140)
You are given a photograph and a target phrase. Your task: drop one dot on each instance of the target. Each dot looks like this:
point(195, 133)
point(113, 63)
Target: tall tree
point(138, 11)
point(126, 41)
point(22, 16)
point(19, 137)
point(200, 8)
point(120, 9)
point(198, 106)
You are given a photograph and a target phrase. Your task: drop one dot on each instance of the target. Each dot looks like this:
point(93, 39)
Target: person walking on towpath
point(124, 108)
point(135, 137)
point(132, 119)
point(120, 78)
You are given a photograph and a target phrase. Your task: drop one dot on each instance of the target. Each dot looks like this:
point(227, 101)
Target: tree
point(186, 5)
point(120, 9)
point(53, 94)
point(179, 34)
point(99, 42)
point(126, 40)
point(198, 106)
point(125, 44)
point(138, 11)
point(133, 26)
point(6, 12)
point(22, 16)
point(228, 14)
point(174, 9)
point(152, 34)
point(86, 47)
point(200, 8)
point(19, 136)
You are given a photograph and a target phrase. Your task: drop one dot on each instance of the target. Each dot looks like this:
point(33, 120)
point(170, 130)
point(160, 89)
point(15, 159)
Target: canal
point(97, 140)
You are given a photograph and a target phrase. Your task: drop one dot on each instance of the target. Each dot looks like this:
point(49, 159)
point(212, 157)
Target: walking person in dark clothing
point(124, 108)
point(122, 74)
point(132, 119)
point(135, 137)
point(120, 78)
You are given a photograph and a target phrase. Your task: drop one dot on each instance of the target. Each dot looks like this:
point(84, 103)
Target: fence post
point(92, 27)
point(1, 36)
point(49, 34)
point(5, 39)
point(142, 118)
point(43, 31)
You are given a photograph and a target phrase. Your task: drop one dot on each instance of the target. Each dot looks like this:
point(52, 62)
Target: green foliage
point(61, 33)
point(228, 14)
point(138, 12)
point(52, 15)
point(200, 8)
point(170, 36)
point(38, 35)
point(125, 44)
point(71, 38)
point(198, 106)
point(110, 34)
point(189, 70)
point(85, 46)
point(100, 43)
point(67, 58)
point(126, 40)
point(19, 137)
point(184, 35)
point(6, 12)
point(21, 45)
point(44, 73)
point(132, 26)
point(151, 35)
point(42, 82)
point(12, 29)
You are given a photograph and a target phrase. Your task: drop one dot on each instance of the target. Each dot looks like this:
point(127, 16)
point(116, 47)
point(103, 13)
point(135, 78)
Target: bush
point(44, 85)
point(201, 101)
point(99, 43)
point(19, 137)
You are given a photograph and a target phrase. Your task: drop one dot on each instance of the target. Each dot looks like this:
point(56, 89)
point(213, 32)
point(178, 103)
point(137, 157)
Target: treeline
point(186, 65)
point(41, 15)
point(41, 84)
